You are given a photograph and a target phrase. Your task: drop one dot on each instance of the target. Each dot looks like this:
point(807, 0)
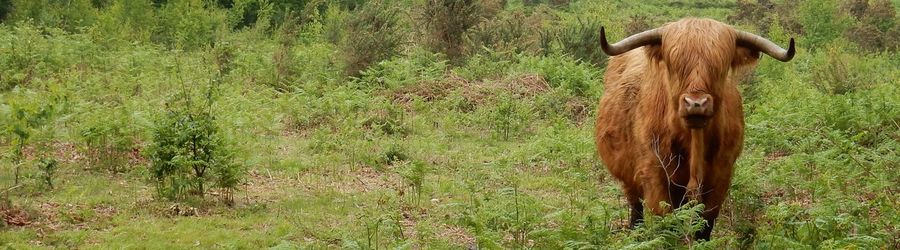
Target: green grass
point(504, 143)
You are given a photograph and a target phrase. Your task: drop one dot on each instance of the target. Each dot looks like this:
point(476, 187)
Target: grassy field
point(367, 125)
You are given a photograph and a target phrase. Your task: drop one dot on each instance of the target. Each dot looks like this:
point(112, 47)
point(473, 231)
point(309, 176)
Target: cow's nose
point(698, 104)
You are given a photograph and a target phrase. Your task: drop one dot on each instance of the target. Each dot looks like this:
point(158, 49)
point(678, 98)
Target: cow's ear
point(744, 57)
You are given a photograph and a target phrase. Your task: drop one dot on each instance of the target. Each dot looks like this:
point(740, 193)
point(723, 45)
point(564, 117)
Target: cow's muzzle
point(696, 109)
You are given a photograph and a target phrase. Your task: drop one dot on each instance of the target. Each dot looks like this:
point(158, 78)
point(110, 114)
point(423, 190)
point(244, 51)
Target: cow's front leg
point(632, 195)
point(655, 187)
point(714, 195)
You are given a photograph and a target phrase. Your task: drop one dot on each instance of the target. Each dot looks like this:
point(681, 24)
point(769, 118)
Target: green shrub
point(48, 168)
point(264, 14)
point(185, 146)
point(283, 58)
point(560, 103)
point(418, 67)
point(373, 35)
point(513, 32)
point(386, 119)
point(447, 21)
point(554, 3)
point(763, 14)
point(657, 232)
point(836, 75)
point(333, 22)
point(108, 139)
point(70, 15)
point(304, 111)
point(189, 24)
point(414, 174)
point(579, 39)
point(509, 117)
point(822, 22)
point(6, 8)
point(303, 67)
point(246, 13)
point(563, 72)
point(875, 28)
point(28, 114)
point(489, 64)
point(31, 53)
point(125, 22)
point(187, 150)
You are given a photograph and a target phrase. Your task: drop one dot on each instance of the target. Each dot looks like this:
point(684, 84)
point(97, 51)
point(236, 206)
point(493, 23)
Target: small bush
point(185, 146)
point(48, 168)
point(637, 24)
point(373, 35)
point(822, 22)
point(189, 24)
point(187, 150)
point(837, 74)
point(563, 72)
point(580, 40)
point(28, 114)
point(387, 119)
point(305, 112)
point(417, 67)
point(32, 53)
point(447, 21)
point(554, 3)
point(392, 154)
point(333, 24)
point(507, 32)
point(489, 64)
point(763, 14)
point(413, 174)
point(509, 117)
point(876, 28)
point(68, 15)
point(125, 22)
point(6, 8)
point(283, 58)
point(108, 138)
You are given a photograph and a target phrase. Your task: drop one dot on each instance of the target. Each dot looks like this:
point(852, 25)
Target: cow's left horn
point(632, 42)
point(764, 45)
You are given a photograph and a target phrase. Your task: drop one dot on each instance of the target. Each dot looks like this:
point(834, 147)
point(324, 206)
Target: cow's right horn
point(632, 42)
point(765, 46)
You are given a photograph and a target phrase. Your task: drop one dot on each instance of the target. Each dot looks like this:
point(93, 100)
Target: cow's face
point(695, 60)
point(699, 55)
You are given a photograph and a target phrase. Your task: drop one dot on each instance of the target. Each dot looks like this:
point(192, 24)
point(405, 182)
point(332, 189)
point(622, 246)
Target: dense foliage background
point(417, 124)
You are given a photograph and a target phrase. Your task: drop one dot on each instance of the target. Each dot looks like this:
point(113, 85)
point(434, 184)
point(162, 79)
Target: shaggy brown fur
point(644, 141)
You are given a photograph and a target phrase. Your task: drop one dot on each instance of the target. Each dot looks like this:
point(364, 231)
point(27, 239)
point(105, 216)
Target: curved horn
point(752, 41)
point(632, 42)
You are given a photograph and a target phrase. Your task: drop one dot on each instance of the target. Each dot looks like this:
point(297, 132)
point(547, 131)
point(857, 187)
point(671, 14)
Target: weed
point(414, 174)
point(108, 138)
point(393, 153)
point(508, 117)
point(48, 168)
point(25, 119)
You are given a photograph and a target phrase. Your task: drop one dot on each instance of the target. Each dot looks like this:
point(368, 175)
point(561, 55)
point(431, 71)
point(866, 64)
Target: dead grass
point(458, 236)
point(50, 217)
point(15, 216)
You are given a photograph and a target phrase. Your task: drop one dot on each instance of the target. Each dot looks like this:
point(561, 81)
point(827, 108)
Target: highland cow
point(670, 124)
